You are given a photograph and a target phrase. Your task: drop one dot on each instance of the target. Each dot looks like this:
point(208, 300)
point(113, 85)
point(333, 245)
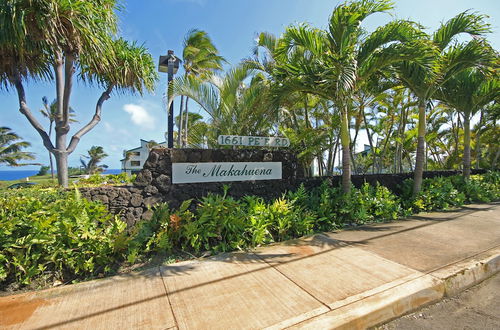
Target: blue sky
point(232, 24)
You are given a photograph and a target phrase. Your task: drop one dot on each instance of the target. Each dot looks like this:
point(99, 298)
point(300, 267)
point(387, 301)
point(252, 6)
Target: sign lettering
point(221, 172)
point(260, 141)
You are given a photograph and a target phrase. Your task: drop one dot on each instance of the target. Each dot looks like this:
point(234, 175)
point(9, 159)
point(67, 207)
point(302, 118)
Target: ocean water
point(16, 175)
point(21, 174)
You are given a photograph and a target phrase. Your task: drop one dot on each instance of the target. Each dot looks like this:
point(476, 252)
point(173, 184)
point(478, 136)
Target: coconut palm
point(334, 63)
point(446, 58)
point(94, 155)
point(200, 59)
point(467, 92)
point(48, 40)
point(11, 146)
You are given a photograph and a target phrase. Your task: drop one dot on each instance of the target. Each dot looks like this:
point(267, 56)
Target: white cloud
point(140, 116)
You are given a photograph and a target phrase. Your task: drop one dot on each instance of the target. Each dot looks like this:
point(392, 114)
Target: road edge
point(410, 296)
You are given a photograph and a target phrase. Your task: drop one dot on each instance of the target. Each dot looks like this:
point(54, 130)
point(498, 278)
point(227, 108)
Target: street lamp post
point(169, 64)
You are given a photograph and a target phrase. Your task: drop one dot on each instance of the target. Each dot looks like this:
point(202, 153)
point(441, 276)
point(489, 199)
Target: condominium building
point(134, 159)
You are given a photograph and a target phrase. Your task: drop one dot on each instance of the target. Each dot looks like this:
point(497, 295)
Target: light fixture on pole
point(170, 64)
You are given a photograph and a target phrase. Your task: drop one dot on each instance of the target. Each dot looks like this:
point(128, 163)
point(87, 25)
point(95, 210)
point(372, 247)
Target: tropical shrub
point(369, 203)
point(478, 188)
point(288, 220)
point(437, 193)
point(160, 234)
point(221, 223)
point(442, 193)
point(56, 233)
point(115, 179)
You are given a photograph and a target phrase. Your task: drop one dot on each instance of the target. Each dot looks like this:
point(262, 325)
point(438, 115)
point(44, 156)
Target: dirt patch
point(17, 309)
point(301, 250)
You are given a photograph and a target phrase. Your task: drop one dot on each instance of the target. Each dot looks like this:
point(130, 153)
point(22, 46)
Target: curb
point(464, 274)
point(407, 297)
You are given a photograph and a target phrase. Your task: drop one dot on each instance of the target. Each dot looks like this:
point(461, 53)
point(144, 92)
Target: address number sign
point(262, 141)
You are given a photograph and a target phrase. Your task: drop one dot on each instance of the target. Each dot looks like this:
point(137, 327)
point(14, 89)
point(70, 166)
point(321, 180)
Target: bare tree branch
point(23, 108)
point(94, 121)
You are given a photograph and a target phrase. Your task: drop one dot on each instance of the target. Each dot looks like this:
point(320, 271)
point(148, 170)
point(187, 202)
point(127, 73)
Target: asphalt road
point(475, 308)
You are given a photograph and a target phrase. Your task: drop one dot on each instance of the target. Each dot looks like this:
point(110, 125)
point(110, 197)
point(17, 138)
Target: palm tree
point(490, 135)
point(48, 40)
point(467, 92)
point(301, 116)
point(233, 107)
point(11, 146)
point(95, 155)
point(200, 59)
point(334, 63)
point(446, 57)
point(198, 130)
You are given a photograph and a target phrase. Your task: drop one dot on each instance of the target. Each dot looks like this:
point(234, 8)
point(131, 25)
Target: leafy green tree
point(445, 58)
point(468, 92)
point(54, 40)
point(11, 146)
point(43, 170)
point(94, 155)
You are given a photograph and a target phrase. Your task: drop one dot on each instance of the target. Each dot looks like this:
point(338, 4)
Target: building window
point(135, 153)
point(135, 163)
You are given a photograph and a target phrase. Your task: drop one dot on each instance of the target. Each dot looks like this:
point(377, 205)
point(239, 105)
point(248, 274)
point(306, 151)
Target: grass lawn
point(45, 180)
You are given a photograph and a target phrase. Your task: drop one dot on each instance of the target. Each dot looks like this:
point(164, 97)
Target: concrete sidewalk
point(348, 279)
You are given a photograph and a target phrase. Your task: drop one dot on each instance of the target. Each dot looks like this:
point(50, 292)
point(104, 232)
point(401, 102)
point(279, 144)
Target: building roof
point(141, 147)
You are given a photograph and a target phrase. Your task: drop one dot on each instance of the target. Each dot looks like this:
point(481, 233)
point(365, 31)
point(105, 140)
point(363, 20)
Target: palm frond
point(344, 25)
point(466, 22)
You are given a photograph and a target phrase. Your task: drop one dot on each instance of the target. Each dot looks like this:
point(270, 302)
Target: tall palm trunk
point(179, 134)
point(399, 142)
point(186, 122)
point(478, 141)
point(370, 141)
point(420, 159)
point(466, 159)
point(346, 154)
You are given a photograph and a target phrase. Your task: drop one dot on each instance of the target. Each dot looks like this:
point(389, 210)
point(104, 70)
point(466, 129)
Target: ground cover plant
point(54, 234)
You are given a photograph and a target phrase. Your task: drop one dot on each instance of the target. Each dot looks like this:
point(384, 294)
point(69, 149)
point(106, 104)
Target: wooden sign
point(259, 141)
point(223, 172)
